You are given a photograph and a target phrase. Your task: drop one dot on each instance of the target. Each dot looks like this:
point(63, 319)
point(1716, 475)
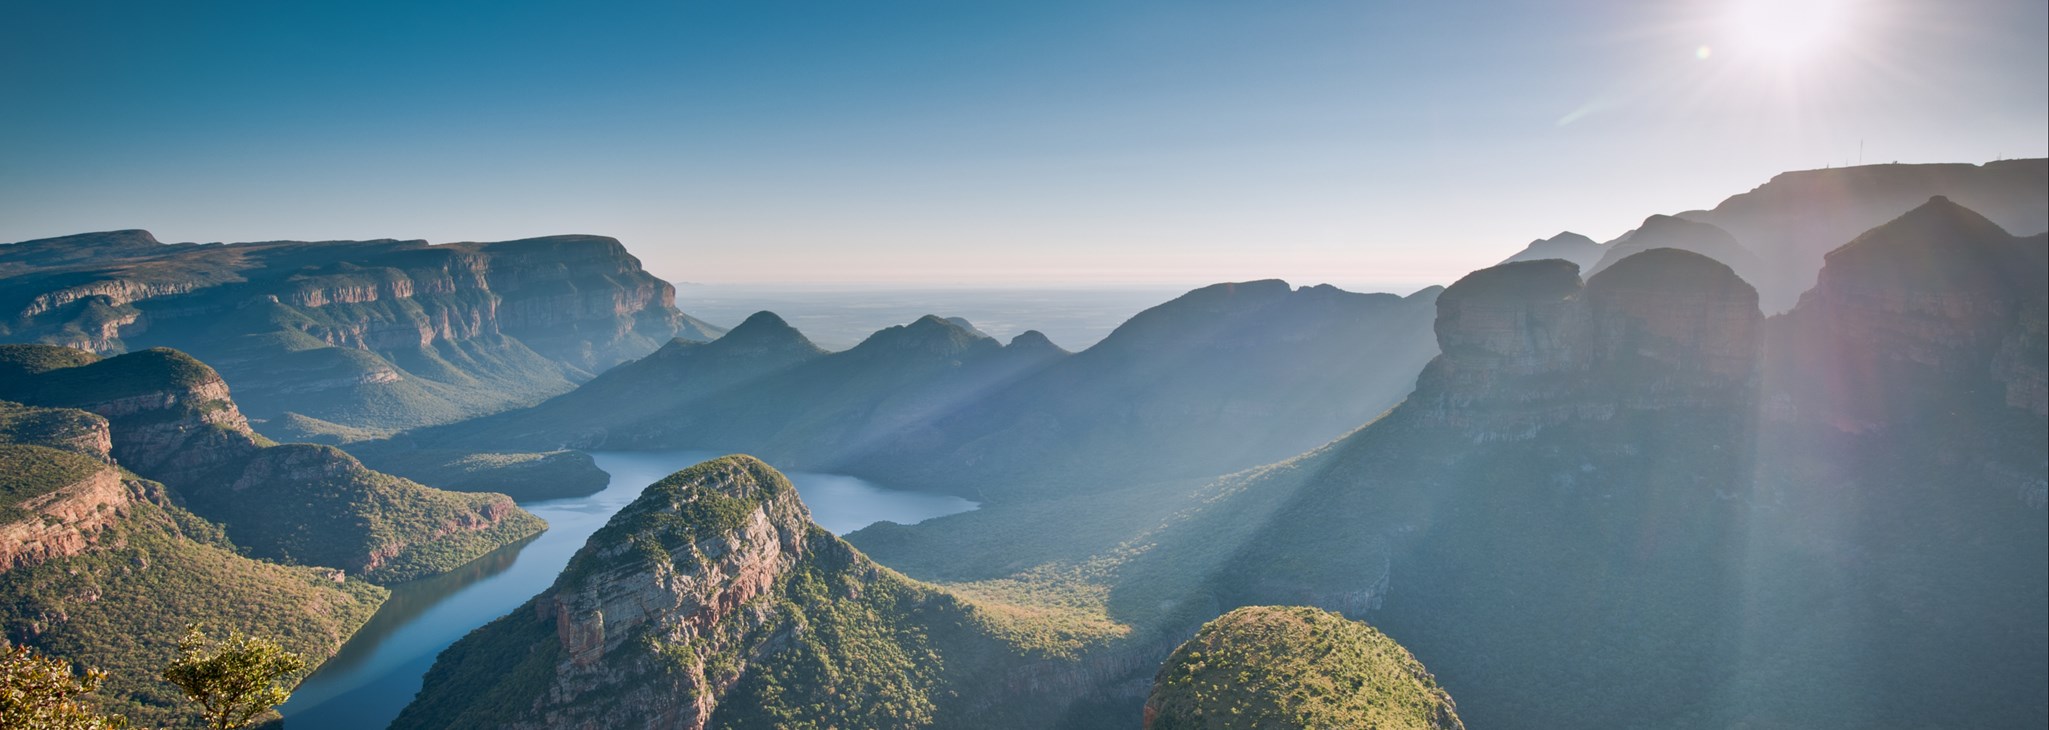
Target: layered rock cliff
point(1940, 295)
point(170, 418)
point(1526, 345)
point(378, 334)
point(102, 568)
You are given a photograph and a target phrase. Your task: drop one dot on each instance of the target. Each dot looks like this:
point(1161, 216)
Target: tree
point(233, 680)
point(41, 693)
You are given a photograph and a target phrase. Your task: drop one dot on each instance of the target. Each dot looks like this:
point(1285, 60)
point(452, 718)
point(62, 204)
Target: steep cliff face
point(1778, 511)
point(102, 568)
point(1525, 345)
point(379, 334)
point(1939, 295)
point(55, 504)
point(713, 601)
point(169, 418)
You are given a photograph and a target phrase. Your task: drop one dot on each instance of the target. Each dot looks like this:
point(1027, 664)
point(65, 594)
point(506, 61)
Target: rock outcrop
point(378, 334)
point(713, 600)
point(1526, 345)
point(1939, 295)
point(64, 521)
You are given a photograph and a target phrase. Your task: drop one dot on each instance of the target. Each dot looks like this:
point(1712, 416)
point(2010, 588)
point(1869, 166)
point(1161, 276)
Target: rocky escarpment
point(712, 600)
point(169, 418)
point(1526, 344)
point(88, 498)
point(378, 334)
point(749, 529)
point(1939, 295)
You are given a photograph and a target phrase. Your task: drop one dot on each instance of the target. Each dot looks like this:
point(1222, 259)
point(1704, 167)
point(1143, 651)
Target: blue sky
point(951, 143)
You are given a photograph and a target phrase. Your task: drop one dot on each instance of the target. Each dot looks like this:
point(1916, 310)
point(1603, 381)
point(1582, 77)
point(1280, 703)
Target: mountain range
point(1778, 463)
point(139, 501)
point(336, 340)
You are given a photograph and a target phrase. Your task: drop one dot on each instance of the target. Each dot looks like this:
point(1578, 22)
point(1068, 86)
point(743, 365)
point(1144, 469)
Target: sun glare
point(1788, 31)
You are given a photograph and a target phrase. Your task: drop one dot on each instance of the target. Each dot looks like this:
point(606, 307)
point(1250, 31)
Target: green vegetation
point(122, 605)
point(235, 679)
point(1279, 668)
point(301, 503)
point(57, 428)
point(320, 506)
point(27, 472)
point(373, 335)
point(523, 476)
point(136, 373)
point(42, 693)
point(20, 361)
point(837, 641)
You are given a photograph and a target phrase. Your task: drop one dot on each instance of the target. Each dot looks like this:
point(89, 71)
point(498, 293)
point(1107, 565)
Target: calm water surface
point(378, 671)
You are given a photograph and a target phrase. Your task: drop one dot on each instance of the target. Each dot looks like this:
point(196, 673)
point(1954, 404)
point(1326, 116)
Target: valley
point(1640, 459)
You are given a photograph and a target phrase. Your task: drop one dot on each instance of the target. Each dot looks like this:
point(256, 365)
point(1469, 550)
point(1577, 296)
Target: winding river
point(378, 671)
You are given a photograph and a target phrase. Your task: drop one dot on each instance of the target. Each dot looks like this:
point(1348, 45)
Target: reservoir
point(378, 671)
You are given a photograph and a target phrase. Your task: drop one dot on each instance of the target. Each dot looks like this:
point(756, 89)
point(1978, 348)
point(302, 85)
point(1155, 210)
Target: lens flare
point(1788, 31)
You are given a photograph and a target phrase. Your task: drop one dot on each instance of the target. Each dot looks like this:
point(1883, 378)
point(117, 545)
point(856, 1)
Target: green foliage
point(321, 507)
point(1276, 668)
point(235, 679)
point(42, 693)
point(57, 428)
point(121, 605)
point(27, 472)
point(708, 499)
point(522, 476)
point(136, 373)
point(19, 361)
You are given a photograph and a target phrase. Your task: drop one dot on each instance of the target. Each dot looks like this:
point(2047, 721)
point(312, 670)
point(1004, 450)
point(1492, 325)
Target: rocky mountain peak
point(678, 568)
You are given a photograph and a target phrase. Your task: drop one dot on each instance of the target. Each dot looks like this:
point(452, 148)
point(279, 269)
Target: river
point(378, 671)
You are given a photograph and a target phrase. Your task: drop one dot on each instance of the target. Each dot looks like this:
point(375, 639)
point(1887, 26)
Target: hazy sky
point(966, 142)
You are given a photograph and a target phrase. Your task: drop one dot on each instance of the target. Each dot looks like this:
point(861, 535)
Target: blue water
point(378, 671)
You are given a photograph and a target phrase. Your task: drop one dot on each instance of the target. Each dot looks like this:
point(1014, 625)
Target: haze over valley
point(1155, 367)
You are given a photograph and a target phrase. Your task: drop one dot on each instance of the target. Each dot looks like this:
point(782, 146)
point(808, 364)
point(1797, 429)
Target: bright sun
point(1788, 31)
